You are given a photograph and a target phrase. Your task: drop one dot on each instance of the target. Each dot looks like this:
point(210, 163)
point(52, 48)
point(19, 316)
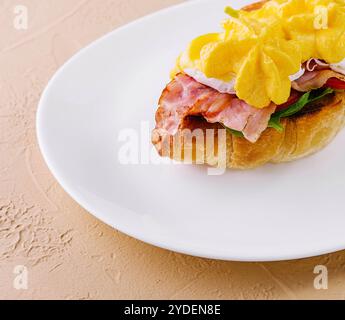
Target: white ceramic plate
point(276, 212)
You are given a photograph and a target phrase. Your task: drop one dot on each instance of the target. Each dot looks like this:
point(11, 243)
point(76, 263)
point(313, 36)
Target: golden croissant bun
point(304, 134)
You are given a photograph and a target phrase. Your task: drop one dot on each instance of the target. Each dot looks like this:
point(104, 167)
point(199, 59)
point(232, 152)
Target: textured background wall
point(68, 253)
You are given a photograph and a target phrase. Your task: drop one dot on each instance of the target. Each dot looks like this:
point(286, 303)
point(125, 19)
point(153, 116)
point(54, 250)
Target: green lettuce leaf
point(231, 12)
point(297, 107)
point(236, 133)
point(275, 123)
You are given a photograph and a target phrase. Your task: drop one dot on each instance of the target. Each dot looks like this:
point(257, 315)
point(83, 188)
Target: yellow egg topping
point(318, 26)
point(261, 49)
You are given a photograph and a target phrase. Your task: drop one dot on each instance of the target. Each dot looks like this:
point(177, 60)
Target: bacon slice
point(316, 79)
point(316, 65)
point(184, 97)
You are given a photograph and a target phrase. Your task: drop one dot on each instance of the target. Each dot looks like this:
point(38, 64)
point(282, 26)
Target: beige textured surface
point(68, 253)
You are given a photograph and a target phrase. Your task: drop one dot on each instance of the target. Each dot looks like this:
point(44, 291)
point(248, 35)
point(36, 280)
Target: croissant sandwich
point(269, 88)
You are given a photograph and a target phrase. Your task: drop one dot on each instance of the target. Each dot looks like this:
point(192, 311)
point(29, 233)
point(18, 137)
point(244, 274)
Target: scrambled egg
point(259, 51)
